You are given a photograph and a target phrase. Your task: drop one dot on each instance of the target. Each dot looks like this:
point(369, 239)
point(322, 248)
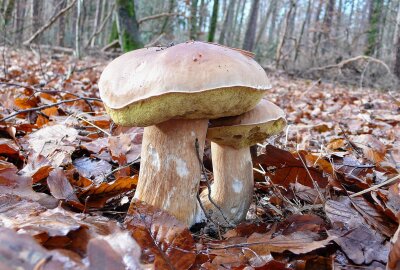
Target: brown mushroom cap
point(247, 129)
point(192, 80)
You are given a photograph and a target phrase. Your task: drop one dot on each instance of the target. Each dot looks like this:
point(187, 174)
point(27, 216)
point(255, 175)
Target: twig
point(242, 245)
point(156, 16)
point(49, 23)
point(152, 43)
point(196, 144)
point(349, 141)
point(389, 181)
point(87, 68)
point(55, 91)
point(122, 167)
point(312, 179)
point(46, 106)
point(93, 125)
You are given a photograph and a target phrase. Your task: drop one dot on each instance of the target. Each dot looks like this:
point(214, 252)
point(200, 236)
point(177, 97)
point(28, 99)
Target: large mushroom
point(231, 138)
point(172, 92)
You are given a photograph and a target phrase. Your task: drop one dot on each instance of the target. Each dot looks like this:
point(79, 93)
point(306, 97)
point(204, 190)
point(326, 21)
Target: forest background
point(341, 40)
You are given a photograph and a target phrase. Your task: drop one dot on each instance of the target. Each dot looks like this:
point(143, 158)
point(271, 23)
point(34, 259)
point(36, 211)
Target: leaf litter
point(67, 174)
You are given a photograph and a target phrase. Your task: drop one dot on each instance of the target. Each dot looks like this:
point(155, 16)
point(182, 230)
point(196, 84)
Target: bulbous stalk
point(232, 189)
point(170, 171)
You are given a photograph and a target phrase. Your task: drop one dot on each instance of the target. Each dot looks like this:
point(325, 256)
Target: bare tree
point(250, 35)
point(129, 35)
point(213, 22)
point(193, 20)
point(227, 23)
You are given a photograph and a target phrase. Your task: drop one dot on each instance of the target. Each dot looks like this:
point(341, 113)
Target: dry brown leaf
point(116, 251)
point(12, 183)
point(92, 168)
point(373, 149)
point(168, 243)
point(285, 168)
point(38, 168)
point(54, 143)
point(355, 237)
point(99, 194)
point(21, 251)
point(125, 148)
point(61, 189)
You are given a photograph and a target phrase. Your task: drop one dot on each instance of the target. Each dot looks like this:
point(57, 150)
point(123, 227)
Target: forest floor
point(326, 191)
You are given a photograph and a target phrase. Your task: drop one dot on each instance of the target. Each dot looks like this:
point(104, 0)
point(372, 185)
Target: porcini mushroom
point(172, 92)
point(231, 138)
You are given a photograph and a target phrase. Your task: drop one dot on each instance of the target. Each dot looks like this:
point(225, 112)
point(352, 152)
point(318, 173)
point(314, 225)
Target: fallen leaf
point(285, 168)
point(168, 243)
point(356, 238)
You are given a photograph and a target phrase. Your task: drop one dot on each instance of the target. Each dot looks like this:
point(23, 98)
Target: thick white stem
point(232, 189)
point(170, 170)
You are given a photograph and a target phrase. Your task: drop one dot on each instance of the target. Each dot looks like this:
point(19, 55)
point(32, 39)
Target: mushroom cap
point(192, 80)
point(247, 129)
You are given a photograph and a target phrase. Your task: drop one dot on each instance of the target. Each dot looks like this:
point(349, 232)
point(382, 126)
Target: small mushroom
point(231, 138)
point(172, 92)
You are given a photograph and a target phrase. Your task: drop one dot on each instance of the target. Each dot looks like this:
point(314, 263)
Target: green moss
point(129, 44)
point(203, 105)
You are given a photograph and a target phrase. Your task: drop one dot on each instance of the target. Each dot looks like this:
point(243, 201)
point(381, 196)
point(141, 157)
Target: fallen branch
point(152, 43)
point(341, 64)
point(110, 45)
point(47, 106)
point(156, 16)
point(54, 48)
point(389, 181)
point(49, 23)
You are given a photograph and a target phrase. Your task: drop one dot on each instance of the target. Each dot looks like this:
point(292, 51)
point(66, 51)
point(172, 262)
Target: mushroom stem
point(170, 171)
point(232, 189)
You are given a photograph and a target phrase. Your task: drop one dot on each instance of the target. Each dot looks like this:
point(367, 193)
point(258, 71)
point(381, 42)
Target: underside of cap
point(203, 105)
point(250, 128)
point(245, 136)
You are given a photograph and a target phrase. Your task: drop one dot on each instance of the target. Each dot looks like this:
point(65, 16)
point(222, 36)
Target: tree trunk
point(193, 20)
point(250, 35)
point(78, 28)
point(19, 21)
point(317, 27)
point(303, 26)
point(375, 11)
point(8, 11)
point(167, 26)
point(213, 22)
point(237, 39)
point(283, 35)
point(396, 70)
point(201, 16)
point(327, 25)
point(264, 23)
point(396, 29)
point(227, 23)
point(235, 21)
point(36, 14)
point(272, 27)
point(61, 28)
point(96, 20)
point(129, 35)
